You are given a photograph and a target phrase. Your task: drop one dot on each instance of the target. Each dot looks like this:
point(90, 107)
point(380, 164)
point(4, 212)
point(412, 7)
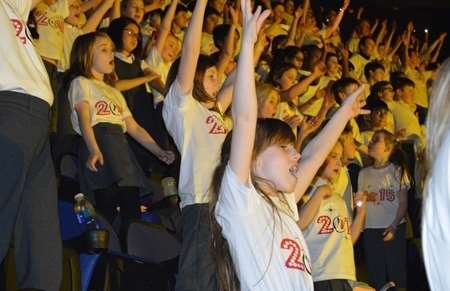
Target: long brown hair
point(268, 132)
point(198, 92)
point(82, 56)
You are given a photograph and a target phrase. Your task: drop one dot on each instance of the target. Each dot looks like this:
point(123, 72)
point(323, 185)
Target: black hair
point(115, 32)
point(363, 41)
point(278, 41)
point(372, 67)
point(400, 83)
point(220, 34)
point(340, 85)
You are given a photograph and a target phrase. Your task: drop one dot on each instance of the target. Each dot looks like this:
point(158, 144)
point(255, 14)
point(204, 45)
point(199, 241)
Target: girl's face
point(130, 38)
point(155, 21)
point(171, 49)
point(378, 148)
point(278, 164)
point(348, 91)
point(211, 22)
point(269, 106)
point(348, 147)
point(379, 117)
point(278, 12)
point(288, 79)
point(297, 61)
point(135, 10)
point(333, 163)
point(332, 65)
point(103, 57)
point(378, 75)
point(289, 6)
point(211, 82)
point(76, 17)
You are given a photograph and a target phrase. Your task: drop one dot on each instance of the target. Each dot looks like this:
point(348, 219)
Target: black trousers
point(332, 285)
point(28, 198)
point(196, 270)
point(386, 261)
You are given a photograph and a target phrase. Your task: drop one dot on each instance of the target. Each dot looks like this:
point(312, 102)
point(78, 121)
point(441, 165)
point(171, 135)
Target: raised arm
point(309, 209)
point(302, 86)
point(191, 48)
point(294, 26)
point(244, 107)
point(166, 24)
point(317, 149)
point(337, 21)
point(96, 17)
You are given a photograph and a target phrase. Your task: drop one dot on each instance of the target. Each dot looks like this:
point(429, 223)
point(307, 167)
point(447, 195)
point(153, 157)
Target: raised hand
point(355, 102)
point(252, 22)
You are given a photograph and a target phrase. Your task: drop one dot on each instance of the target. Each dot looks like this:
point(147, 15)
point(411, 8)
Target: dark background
point(432, 14)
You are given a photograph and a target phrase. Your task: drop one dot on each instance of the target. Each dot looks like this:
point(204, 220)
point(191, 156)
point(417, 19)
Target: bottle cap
point(79, 196)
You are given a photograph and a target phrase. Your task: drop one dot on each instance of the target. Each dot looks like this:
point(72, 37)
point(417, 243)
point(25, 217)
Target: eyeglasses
point(131, 33)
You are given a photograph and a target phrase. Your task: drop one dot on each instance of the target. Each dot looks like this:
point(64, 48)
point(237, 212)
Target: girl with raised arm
point(256, 241)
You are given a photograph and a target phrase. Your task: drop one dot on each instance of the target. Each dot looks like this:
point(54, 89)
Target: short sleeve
point(175, 98)
point(234, 196)
point(78, 91)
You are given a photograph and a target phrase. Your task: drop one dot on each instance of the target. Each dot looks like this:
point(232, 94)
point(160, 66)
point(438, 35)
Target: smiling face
point(171, 49)
point(130, 38)
point(76, 16)
point(278, 164)
point(103, 57)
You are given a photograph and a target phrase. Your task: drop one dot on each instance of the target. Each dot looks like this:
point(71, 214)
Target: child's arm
point(317, 149)
point(155, 5)
point(293, 30)
point(225, 95)
point(337, 21)
point(166, 24)
point(302, 86)
point(127, 84)
point(244, 108)
point(191, 48)
point(358, 223)
point(145, 139)
point(84, 118)
point(228, 49)
point(95, 19)
point(88, 5)
point(389, 232)
point(310, 209)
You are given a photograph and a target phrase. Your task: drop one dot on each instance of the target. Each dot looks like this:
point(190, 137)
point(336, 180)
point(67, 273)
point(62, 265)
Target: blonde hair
point(438, 118)
point(263, 90)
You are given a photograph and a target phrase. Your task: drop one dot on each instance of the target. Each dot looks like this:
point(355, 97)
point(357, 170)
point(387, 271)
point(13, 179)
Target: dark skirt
point(120, 165)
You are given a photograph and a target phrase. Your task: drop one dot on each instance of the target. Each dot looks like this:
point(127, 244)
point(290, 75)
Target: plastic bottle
point(85, 212)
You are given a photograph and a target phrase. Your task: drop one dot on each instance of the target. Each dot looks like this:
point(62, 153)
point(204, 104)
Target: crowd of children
point(249, 104)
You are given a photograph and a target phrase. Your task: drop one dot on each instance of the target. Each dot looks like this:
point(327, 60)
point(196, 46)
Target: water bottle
point(85, 212)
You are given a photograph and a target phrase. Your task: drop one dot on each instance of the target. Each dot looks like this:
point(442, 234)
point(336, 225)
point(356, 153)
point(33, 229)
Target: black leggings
point(127, 198)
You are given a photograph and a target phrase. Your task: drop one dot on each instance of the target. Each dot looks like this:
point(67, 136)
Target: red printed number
point(18, 26)
point(102, 108)
point(216, 127)
point(326, 222)
point(294, 260)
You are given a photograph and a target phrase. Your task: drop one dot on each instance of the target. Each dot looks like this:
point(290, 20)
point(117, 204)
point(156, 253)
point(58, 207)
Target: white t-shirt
point(106, 104)
point(157, 64)
point(359, 62)
point(329, 239)
point(70, 34)
point(21, 68)
point(269, 252)
point(386, 183)
point(420, 89)
point(199, 134)
point(436, 219)
point(310, 92)
point(404, 117)
point(50, 26)
point(207, 47)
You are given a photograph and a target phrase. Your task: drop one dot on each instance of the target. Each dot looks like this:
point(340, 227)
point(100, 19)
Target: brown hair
point(268, 132)
point(82, 55)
